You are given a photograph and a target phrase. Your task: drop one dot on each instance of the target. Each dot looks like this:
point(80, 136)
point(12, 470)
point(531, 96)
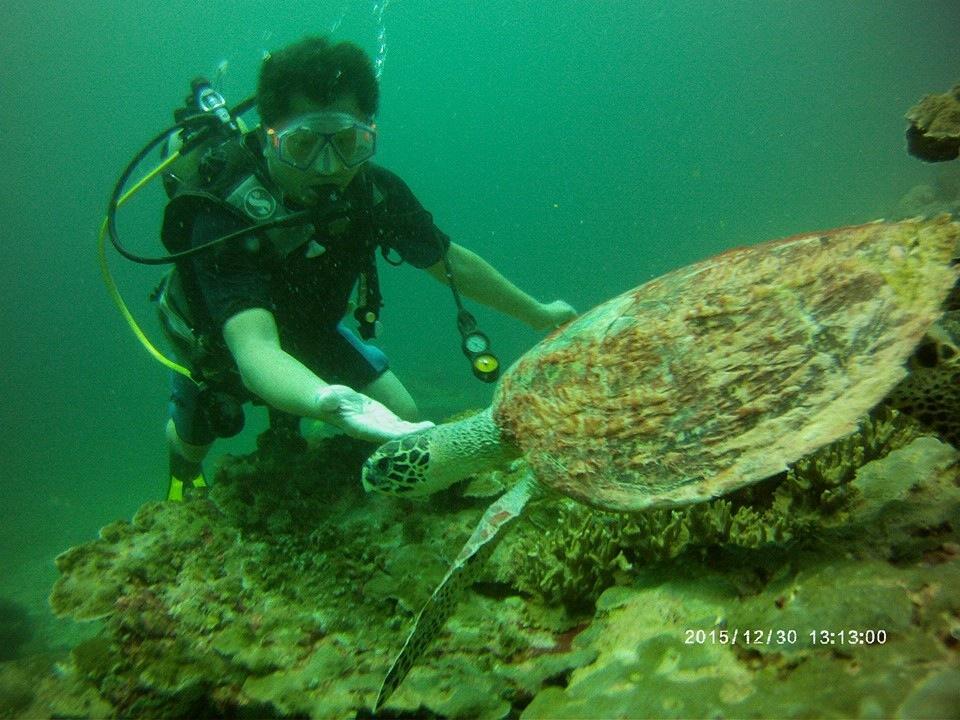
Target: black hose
point(297, 218)
point(125, 176)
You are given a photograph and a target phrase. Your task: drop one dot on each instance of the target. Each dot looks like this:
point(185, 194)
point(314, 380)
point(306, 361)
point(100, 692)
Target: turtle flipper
point(464, 570)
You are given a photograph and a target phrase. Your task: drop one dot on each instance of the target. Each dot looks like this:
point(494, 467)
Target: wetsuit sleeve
point(406, 227)
point(230, 278)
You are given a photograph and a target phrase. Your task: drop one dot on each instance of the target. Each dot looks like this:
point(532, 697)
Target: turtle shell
point(722, 373)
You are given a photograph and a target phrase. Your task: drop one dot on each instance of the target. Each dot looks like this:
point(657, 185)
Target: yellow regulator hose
point(112, 285)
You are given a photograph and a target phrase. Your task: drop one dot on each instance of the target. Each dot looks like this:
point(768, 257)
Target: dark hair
point(319, 70)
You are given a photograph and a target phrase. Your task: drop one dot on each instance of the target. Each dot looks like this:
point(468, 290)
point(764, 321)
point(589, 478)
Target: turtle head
point(399, 467)
point(431, 460)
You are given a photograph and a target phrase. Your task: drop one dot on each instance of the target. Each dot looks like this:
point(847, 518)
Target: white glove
point(362, 417)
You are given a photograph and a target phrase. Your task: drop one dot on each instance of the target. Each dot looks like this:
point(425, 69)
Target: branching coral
point(570, 554)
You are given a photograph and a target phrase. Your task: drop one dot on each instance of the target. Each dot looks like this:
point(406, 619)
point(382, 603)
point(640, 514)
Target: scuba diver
point(258, 318)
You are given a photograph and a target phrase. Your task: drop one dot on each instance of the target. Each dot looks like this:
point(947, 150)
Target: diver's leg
point(188, 440)
point(366, 369)
point(391, 392)
point(176, 444)
point(185, 464)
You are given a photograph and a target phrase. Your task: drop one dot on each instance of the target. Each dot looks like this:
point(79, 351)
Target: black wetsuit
point(308, 288)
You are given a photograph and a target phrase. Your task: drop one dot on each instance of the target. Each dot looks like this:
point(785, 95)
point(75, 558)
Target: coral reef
point(929, 200)
point(778, 634)
point(287, 592)
point(569, 554)
point(934, 132)
point(16, 628)
point(279, 596)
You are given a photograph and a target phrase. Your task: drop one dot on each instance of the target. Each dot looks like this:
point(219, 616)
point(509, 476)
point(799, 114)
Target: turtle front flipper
point(464, 570)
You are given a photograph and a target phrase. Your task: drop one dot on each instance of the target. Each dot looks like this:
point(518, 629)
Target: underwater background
point(580, 147)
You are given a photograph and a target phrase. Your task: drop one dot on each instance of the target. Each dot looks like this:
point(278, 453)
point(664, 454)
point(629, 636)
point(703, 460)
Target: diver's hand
point(553, 315)
point(360, 416)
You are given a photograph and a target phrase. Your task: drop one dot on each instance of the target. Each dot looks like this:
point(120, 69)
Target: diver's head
point(316, 101)
point(318, 146)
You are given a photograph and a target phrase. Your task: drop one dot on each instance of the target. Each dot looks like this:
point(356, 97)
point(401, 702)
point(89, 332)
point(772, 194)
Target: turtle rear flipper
point(464, 571)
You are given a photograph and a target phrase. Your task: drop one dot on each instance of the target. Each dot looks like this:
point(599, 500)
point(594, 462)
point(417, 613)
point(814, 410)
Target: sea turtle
point(697, 383)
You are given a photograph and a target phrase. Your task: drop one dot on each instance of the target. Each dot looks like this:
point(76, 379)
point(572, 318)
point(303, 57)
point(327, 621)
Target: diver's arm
point(269, 372)
point(285, 383)
point(480, 281)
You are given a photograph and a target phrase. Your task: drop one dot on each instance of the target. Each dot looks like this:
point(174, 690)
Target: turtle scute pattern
point(405, 455)
point(721, 373)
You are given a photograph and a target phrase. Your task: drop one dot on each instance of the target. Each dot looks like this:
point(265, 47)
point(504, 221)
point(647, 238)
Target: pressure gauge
point(486, 367)
point(475, 343)
point(484, 363)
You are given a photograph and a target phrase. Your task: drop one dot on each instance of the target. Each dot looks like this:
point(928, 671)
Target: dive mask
point(311, 141)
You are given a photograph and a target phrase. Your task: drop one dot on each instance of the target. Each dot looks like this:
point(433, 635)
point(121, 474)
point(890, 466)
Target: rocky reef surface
point(940, 195)
point(287, 592)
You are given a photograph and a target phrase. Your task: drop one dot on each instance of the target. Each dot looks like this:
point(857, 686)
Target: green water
point(581, 147)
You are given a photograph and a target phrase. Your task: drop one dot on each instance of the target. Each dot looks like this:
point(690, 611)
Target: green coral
point(296, 610)
point(665, 648)
point(569, 554)
point(283, 594)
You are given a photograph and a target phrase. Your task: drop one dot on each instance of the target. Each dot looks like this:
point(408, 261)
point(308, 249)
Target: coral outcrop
point(934, 132)
point(862, 621)
point(287, 593)
point(570, 554)
point(941, 195)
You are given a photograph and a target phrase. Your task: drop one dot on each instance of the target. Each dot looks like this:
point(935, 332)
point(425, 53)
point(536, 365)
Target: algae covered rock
point(149, 550)
point(280, 596)
point(210, 609)
point(202, 599)
point(846, 625)
point(934, 132)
